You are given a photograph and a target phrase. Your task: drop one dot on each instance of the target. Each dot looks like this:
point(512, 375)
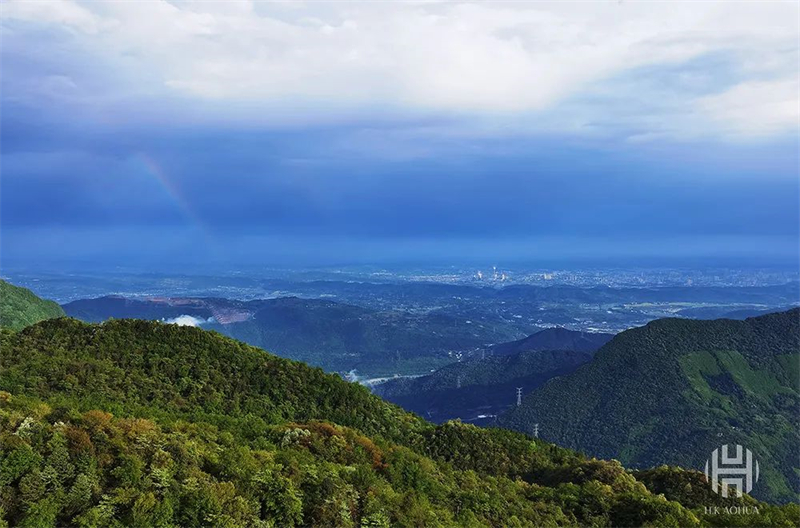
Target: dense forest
point(134, 423)
point(20, 307)
point(675, 389)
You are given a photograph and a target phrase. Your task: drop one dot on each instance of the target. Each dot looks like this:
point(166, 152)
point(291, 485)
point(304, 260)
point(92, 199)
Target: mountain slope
point(210, 432)
point(477, 390)
point(335, 336)
point(117, 307)
point(126, 365)
point(555, 339)
point(674, 390)
point(20, 307)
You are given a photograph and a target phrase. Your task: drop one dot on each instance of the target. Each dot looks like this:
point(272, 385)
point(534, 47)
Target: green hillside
point(674, 390)
point(134, 423)
point(20, 307)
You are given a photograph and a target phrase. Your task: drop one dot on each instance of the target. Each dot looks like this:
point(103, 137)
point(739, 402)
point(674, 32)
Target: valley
point(479, 389)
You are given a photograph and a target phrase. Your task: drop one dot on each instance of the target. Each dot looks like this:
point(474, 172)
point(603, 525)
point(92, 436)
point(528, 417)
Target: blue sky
point(171, 133)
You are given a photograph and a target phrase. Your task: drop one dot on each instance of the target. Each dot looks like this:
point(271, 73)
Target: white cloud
point(465, 59)
point(62, 12)
point(755, 109)
point(185, 320)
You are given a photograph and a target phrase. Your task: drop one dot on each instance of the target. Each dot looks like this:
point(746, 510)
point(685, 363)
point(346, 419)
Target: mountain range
point(335, 336)
point(140, 423)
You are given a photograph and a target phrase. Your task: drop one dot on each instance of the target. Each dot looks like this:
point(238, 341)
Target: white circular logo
point(739, 470)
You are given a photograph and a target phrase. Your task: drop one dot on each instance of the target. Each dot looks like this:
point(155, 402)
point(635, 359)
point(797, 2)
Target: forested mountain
point(555, 339)
point(477, 390)
point(20, 307)
point(335, 336)
point(674, 390)
point(139, 423)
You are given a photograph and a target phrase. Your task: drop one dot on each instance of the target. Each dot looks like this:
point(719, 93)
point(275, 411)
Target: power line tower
point(536, 430)
point(519, 396)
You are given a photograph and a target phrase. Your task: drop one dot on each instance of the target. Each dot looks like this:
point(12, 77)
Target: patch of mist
point(186, 320)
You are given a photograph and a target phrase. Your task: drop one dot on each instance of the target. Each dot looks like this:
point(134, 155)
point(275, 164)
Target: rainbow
point(156, 171)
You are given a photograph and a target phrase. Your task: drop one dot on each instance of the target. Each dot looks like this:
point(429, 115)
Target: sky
point(175, 134)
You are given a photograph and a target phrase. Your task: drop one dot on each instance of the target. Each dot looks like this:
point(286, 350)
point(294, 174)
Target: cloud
point(61, 12)
point(268, 124)
point(265, 62)
point(185, 320)
point(756, 108)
